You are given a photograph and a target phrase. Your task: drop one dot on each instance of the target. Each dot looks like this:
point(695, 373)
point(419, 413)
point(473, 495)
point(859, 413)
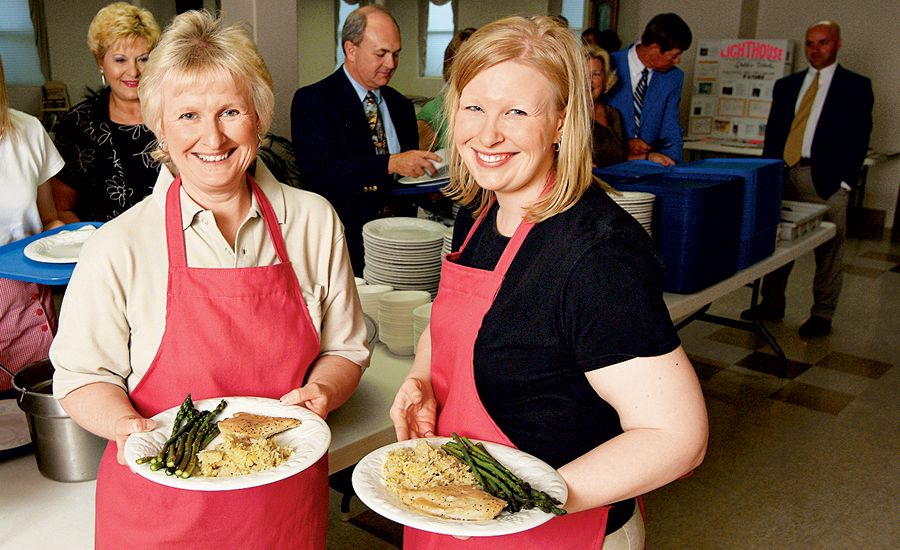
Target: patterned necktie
point(375, 124)
point(793, 147)
point(639, 92)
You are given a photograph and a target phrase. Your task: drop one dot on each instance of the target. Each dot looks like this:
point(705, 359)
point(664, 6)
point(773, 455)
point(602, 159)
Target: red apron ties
point(229, 332)
point(464, 297)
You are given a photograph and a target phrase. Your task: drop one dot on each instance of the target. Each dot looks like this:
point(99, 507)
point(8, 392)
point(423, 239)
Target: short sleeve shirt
point(107, 163)
point(584, 292)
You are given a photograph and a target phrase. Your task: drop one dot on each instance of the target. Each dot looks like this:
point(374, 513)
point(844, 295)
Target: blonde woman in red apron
point(549, 332)
point(244, 329)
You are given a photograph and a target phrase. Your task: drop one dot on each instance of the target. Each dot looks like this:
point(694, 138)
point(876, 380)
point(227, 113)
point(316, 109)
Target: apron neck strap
point(175, 230)
point(512, 247)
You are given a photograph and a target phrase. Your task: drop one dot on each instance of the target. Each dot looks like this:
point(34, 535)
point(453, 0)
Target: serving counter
point(38, 513)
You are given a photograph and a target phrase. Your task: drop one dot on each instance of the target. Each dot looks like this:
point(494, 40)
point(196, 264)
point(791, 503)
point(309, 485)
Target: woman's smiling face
point(210, 131)
point(122, 65)
point(505, 129)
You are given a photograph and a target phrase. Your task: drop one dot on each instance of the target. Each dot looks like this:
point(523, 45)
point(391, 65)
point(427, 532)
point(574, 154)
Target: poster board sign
point(732, 88)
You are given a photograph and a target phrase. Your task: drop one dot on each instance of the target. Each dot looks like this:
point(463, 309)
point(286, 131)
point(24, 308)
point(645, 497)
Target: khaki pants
point(829, 277)
point(628, 537)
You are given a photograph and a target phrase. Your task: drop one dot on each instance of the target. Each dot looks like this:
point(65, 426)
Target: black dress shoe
point(815, 327)
point(762, 312)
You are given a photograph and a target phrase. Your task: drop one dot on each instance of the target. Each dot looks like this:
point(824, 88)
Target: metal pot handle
point(7, 371)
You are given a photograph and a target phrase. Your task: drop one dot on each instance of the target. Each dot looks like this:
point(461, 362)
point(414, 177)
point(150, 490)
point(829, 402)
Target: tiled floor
point(805, 461)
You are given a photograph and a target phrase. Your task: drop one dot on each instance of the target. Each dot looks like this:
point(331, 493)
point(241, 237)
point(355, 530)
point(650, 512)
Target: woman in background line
point(549, 331)
point(431, 121)
point(107, 147)
point(610, 144)
point(28, 160)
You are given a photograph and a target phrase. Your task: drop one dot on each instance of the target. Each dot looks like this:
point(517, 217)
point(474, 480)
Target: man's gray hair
point(355, 24)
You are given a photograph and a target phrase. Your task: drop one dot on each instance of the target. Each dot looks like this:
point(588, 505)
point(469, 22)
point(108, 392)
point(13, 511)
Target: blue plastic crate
point(632, 171)
point(696, 227)
point(762, 200)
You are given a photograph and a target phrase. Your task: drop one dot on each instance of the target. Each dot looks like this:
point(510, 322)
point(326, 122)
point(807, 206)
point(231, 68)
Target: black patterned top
point(108, 164)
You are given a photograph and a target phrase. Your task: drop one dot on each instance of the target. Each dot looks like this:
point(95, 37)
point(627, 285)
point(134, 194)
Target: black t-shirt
point(584, 292)
point(108, 163)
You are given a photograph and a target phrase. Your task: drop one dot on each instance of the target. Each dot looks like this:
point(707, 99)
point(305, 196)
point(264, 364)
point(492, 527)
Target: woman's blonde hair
point(596, 52)
point(121, 21)
point(195, 47)
point(543, 44)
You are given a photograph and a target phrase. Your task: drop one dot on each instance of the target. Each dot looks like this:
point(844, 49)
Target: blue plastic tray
point(762, 200)
point(696, 225)
point(632, 171)
point(14, 264)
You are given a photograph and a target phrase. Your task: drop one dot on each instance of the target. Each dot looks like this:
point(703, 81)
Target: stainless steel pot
point(64, 450)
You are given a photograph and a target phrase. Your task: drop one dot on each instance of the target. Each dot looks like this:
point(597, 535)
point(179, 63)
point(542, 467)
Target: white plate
point(309, 441)
point(13, 426)
point(404, 230)
point(59, 248)
point(369, 485)
point(442, 172)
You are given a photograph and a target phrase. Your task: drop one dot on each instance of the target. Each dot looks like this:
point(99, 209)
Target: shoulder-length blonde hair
point(120, 21)
point(543, 44)
point(195, 47)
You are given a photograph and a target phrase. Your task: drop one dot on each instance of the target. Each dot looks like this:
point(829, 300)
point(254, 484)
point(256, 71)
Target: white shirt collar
point(636, 67)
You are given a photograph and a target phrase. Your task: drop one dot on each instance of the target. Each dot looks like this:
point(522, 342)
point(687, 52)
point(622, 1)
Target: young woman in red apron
point(519, 108)
point(243, 331)
point(464, 297)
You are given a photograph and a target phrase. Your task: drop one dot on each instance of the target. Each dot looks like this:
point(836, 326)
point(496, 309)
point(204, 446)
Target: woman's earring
point(556, 147)
point(161, 143)
point(102, 79)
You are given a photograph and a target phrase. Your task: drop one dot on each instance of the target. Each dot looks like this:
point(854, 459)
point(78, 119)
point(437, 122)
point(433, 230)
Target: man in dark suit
point(819, 125)
point(648, 93)
point(352, 133)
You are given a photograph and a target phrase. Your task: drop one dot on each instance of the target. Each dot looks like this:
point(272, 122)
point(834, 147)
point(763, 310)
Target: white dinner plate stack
point(395, 319)
point(638, 204)
point(420, 317)
point(369, 296)
point(448, 242)
point(404, 253)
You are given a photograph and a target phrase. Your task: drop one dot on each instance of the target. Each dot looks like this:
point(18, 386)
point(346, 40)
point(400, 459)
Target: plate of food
point(59, 248)
point(243, 442)
point(428, 484)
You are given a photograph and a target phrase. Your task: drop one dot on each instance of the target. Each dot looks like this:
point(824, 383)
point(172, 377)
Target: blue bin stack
point(632, 171)
point(696, 226)
point(762, 201)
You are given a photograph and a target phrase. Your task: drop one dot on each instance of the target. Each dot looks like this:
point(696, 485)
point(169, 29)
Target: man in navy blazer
point(656, 134)
point(333, 141)
point(823, 158)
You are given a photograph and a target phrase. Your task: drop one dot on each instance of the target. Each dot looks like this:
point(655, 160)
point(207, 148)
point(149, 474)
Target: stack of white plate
point(420, 318)
point(638, 204)
point(395, 321)
point(369, 295)
point(404, 253)
point(448, 242)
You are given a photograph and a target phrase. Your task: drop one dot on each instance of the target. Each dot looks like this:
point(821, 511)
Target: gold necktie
point(375, 124)
point(793, 147)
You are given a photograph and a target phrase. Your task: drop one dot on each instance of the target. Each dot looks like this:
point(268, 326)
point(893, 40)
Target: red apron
point(27, 325)
point(229, 332)
point(464, 297)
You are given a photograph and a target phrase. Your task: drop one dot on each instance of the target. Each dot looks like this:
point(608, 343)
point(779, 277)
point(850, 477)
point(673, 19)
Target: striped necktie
point(376, 126)
point(639, 92)
point(793, 147)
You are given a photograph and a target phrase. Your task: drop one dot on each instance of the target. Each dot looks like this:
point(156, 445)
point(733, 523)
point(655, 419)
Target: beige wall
point(297, 39)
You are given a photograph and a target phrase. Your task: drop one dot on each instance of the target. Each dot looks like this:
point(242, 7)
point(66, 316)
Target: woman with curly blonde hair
point(106, 145)
point(610, 143)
